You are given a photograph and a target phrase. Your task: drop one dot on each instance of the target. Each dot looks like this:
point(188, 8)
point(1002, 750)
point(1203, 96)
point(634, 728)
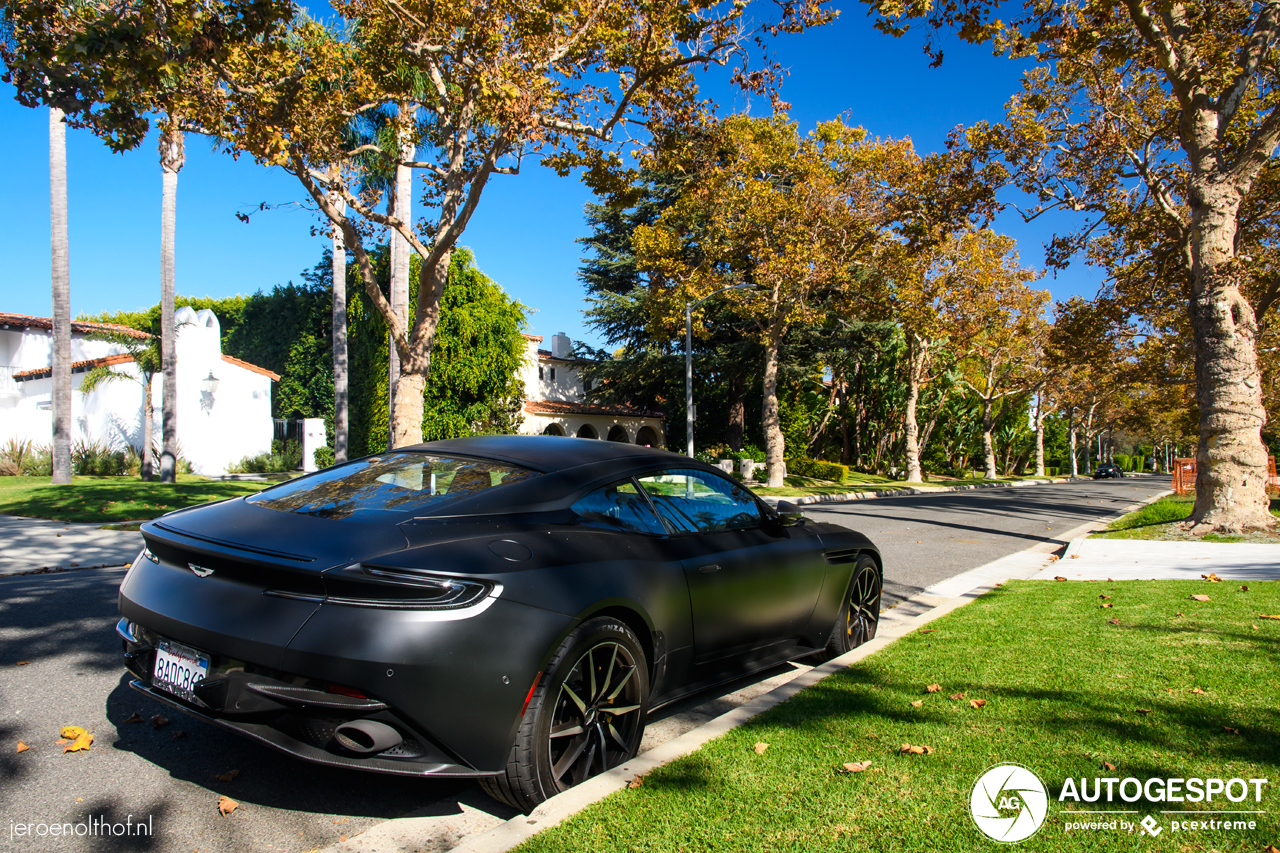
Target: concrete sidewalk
point(31, 544)
point(1140, 559)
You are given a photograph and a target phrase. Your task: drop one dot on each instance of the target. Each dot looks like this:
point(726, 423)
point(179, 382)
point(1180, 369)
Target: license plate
point(178, 668)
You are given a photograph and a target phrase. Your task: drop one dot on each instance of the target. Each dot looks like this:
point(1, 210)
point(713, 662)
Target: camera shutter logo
point(1009, 803)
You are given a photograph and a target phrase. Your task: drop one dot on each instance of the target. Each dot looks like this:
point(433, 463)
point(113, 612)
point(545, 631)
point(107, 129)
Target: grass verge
point(801, 486)
point(106, 499)
point(1159, 521)
point(1062, 687)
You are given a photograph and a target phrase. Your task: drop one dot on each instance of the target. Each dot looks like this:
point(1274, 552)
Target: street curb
point(802, 500)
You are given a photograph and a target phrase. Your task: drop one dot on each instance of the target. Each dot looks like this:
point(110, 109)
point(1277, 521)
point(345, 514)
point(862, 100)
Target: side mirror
point(789, 513)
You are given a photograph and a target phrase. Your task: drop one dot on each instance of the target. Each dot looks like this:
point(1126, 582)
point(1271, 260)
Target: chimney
point(561, 345)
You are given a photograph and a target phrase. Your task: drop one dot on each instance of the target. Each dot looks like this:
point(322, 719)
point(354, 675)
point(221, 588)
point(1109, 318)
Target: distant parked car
point(1107, 471)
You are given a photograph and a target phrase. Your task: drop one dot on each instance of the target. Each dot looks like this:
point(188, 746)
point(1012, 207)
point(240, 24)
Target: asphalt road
point(929, 538)
point(62, 624)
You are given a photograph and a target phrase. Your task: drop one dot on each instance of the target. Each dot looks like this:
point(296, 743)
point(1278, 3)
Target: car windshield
point(389, 486)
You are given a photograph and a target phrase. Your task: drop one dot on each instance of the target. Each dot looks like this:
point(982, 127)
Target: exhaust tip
point(366, 736)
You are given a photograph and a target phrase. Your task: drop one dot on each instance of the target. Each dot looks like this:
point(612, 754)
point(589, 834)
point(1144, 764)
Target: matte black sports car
point(1107, 471)
point(509, 608)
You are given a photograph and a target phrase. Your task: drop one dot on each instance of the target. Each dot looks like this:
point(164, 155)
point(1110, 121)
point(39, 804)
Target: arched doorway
point(619, 433)
point(647, 437)
point(587, 431)
point(554, 429)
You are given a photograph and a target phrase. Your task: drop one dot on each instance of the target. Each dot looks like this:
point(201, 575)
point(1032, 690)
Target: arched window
point(619, 433)
point(587, 431)
point(647, 437)
point(553, 429)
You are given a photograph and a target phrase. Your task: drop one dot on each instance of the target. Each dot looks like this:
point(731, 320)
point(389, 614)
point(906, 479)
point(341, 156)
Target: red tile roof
point(529, 337)
point(25, 321)
point(124, 358)
point(274, 377)
point(560, 407)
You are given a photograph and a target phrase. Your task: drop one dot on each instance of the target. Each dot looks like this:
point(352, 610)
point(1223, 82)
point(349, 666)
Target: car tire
point(597, 682)
point(859, 615)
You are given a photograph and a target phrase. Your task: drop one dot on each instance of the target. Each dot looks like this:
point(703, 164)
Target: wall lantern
point(208, 386)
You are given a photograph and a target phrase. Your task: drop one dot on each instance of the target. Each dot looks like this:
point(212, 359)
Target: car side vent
point(842, 555)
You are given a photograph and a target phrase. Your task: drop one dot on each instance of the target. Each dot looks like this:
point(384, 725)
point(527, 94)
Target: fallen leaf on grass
point(22, 747)
point(1199, 596)
point(1197, 690)
point(1143, 711)
point(1105, 605)
point(854, 766)
point(957, 695)
point(908, 749)
point(158, 721)
point(761, 747)
point(1271, 848)
point(1059, 578)
point(1113, 621)
point(1103, 596)
point(1271, 616)
point(934, 688)
point(226, 806)
point(229, 776)
point(926, 630)
point(977, 703)
point(1212, 577)
point(1230, 730)
point(1107, 765)
point(1255, 627)
point(135, 717)
point(1244, 588)
point(917, 703)
point(635, 783)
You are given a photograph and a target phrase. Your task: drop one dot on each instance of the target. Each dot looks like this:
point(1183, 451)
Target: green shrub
point(38, 462)
point(96, 458)
point(818, 470)
point(324, 457)
point(283, 457)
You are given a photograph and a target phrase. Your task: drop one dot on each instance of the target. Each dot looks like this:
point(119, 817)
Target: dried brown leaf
point(934, 688)
point(908, 749)
point(1103, 596)
point(1200, 596)
point(226, 806)
point(957, 695)
point(854, 766)
point(1197, 690)
point(926, 630)
point(1212, 577)
point(159, 721)
point(1113, 621)
point(635, 783)
point(917, 703)
point(1106, 605)
point(22, 663)
point(1269, 616)
point(1230, 730)
point(1059, 578)
point(1244, 588)
point(1143, 711)
point(977, 703)
point(179, 734)
point(80, 744)
point(1075, 556)
point(135, 717)
point(1107, 765)
point(229, 776)
point(22, 747)
point(761, 747)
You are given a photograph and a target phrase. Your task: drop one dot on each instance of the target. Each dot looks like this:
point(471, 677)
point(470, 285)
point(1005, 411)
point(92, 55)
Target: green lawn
point(103, 499)
point(1159, 520)
point(1062, 687)
point(857, 482)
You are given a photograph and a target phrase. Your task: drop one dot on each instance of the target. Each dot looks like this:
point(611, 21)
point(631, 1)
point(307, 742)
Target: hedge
point(818, 469)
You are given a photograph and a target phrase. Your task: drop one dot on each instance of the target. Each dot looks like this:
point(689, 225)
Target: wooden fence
point(1184, 477)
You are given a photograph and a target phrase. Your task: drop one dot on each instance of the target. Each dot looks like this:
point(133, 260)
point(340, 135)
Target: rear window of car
point(389, 486)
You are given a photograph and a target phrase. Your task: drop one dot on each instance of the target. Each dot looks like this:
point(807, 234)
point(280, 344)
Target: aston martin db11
point(508, 608)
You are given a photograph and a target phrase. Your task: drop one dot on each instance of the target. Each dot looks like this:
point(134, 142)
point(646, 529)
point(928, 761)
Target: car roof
point(549, 453)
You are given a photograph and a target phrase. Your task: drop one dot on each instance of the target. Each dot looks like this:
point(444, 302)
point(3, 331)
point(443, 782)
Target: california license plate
point(178, 668)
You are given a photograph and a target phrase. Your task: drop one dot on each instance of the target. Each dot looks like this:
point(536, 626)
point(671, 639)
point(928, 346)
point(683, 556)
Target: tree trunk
point(400, 253)
point(988, 446)
point(845, 457)
point(1231, 461)
point(340, 390)
point(172, 156)
point(773, 441)
point(148, 430)
point(60, 247)
point(1040, 413)
point(415, 358)
point(1071, 437)
point(917, 355)
point(737, 411)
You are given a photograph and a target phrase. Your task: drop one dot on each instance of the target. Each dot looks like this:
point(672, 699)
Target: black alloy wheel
point(587, 715)
point(859, 612)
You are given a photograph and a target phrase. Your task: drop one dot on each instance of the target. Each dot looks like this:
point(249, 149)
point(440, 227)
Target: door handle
point(712, 567)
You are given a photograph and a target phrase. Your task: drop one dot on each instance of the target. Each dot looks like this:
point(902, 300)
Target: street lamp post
point(688, 358)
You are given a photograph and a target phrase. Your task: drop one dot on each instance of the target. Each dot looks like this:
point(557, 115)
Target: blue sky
point(525, 229)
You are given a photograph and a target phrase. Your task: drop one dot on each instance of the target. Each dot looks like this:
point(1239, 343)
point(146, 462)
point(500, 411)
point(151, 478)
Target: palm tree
point(340, 417)
point(61, 266)
point(146, 357)
point(172, 156)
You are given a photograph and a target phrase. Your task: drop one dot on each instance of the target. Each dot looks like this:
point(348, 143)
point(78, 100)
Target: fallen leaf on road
point(1075, 556)
point(1200, 596)
point(75, 738)
point(22, 663)
point(917, 703)
point(60, 741)
point(1212, 577)
point(1105, 606)
point(761, 747)
point(908, 749)
point(1107, 765)
point(1272, 616)
point(229, 776)
point(854, 766)
point(977, 703)
point(934, 688)
point(179, 734)
point(635, 783)
point(957, 695)
point(226, 806)
point(1230, 730)
point(158, 721)
point(22, 747)
point(135, 717)
point(1143, 711)
point(1053, 559)
point(1059, 578)
point(1197, 690)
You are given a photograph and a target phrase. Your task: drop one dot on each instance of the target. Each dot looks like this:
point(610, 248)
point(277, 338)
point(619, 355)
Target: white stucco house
point(556, 392)
point(224, 404)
